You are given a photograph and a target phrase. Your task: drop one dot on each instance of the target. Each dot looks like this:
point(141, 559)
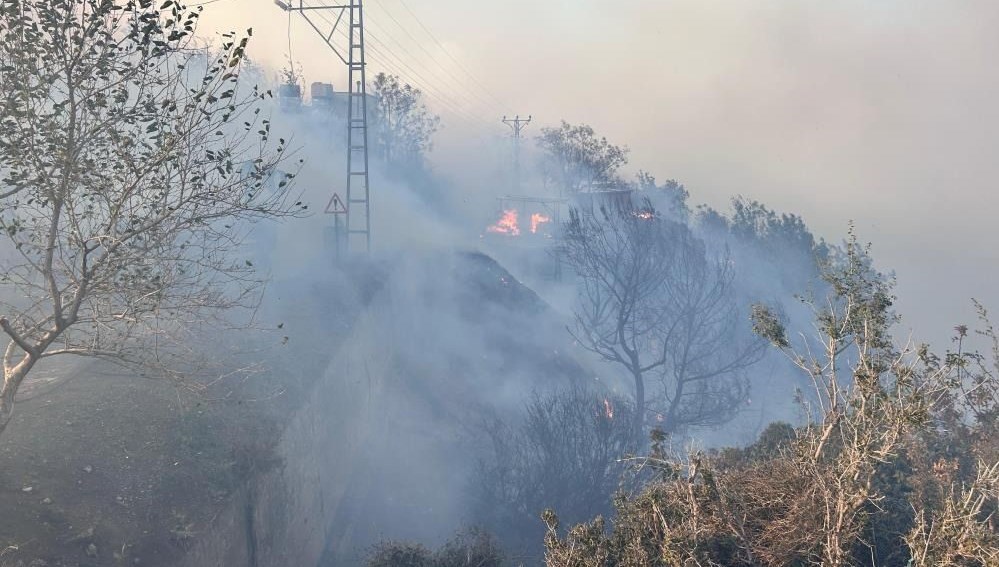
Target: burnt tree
point(654, 301)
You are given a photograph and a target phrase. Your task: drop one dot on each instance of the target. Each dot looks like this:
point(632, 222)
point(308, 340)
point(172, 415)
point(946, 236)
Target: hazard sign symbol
point(336, 206)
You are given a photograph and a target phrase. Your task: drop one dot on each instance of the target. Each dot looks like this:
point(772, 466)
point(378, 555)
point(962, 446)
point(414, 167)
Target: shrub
point(470, 548)
point(566, 454)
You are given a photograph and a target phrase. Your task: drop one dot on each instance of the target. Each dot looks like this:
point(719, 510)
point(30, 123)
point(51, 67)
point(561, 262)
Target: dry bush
point(469, 548)
point(566, 454)
point(882, 475)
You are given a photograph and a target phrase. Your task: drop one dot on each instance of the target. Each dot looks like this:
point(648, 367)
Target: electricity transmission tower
point(517, 125)
point(357, 208)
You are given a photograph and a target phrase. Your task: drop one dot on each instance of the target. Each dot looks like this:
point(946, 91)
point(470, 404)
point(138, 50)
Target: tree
point(468, 548)
point(566, 454)
point(403, 125)
point(705, 342)
point(654, 302)
point(130, 164)
point(896, 467)
point(576, 160)
point(670, 197)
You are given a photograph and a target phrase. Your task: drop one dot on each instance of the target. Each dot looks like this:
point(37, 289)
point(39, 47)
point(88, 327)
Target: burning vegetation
point(538, 219)
point(509, 223)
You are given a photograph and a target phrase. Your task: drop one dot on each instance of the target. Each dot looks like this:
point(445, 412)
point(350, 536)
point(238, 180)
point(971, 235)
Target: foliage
point(400, 554)
point(576, 160)
point(782, 242)
point(403, 125)
point(897, 466)
point(292, 74)
point(130, 164)
point(670, 197)
point(471, 548)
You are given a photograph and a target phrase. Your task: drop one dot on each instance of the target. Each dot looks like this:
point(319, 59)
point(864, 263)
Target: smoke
point(430, 336)
point(878, 112)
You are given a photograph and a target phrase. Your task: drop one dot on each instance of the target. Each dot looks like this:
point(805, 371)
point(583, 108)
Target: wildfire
point(538, 219)
point(608, 409)
point(507, 224)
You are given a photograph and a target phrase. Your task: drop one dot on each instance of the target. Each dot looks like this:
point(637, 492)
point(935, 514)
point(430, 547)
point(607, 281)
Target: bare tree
point(705, 341)
point(655, 303)
point(575, 159)
point(897, 466)
point(566, 454)
point(130, 161)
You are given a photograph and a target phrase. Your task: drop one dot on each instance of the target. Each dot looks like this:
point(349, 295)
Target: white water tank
point(322, 93)
point(290, 96)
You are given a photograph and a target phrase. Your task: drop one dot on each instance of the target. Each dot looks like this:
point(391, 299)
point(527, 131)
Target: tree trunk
point(6, 407)
point(639, 426)
point(8, 390)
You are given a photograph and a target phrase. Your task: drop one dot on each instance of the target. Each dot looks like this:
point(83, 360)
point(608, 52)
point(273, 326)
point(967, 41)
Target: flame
point(608, 409)
point(507, 224)
point(538, 219)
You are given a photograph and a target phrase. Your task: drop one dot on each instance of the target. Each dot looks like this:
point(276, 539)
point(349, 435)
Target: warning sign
point(336, 206)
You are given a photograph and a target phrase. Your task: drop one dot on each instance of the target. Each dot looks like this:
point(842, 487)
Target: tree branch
point(17, 338)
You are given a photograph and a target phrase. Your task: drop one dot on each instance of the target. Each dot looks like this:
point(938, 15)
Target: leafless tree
point(566, 453)
point(130, 163)
point(886, 450)
point(653, 301)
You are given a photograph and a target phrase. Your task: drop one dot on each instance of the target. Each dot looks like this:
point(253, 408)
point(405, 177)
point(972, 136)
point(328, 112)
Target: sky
point(883, 112)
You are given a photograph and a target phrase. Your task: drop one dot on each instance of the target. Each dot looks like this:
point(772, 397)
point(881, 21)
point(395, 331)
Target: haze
point(879, 112)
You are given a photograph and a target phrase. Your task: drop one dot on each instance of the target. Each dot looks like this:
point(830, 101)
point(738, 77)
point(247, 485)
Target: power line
point(517, 125)
point(358, 203)
point(461, 84)
point(453, 94)
point(377, 48)
point(444, 49)
point(445, 96)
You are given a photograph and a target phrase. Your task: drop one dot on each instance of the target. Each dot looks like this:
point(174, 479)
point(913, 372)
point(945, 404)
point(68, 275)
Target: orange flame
point(538, 219)
point(507, 224)
point(608, 409)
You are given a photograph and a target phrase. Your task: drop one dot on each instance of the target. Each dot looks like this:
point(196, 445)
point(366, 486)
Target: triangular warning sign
point(336, 206)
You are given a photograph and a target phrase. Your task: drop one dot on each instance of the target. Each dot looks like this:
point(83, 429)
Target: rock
point(27, 489)
point(86, 536)
point(91, 550)
point(88, 469)
point(46, 501)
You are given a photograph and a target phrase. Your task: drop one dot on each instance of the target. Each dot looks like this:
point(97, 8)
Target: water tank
point(322, 93)
point(290, 96)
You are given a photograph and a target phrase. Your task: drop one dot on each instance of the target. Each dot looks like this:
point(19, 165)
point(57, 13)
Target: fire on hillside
point(509, 223)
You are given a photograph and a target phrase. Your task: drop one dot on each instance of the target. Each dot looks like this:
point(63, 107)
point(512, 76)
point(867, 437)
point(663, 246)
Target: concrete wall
point(286, 516)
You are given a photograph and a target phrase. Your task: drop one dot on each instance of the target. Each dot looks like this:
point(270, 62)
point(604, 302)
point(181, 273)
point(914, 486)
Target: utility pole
point(517, 125)
point(357, 208)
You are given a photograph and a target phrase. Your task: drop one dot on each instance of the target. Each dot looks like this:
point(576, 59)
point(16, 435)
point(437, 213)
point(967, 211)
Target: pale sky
point(880, 111)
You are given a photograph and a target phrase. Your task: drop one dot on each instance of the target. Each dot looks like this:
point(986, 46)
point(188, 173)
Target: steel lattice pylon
point(357, 208)
point(358, 194)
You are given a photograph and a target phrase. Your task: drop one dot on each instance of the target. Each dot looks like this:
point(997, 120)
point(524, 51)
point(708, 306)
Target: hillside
point(415, 351)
